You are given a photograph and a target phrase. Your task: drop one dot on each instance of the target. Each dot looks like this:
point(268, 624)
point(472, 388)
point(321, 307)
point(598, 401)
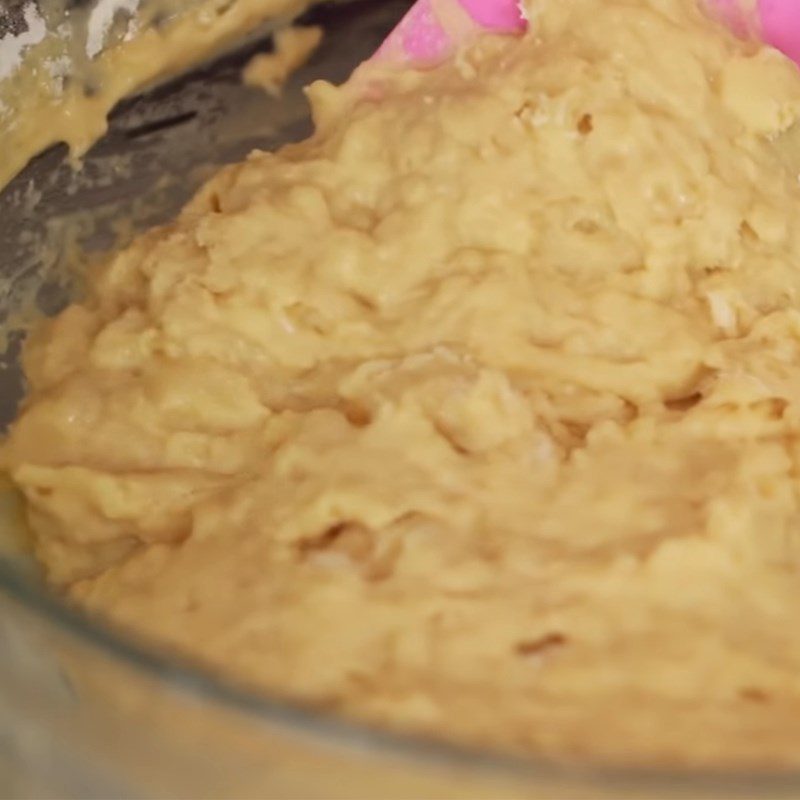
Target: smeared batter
point(69, 83)
point(477, 413)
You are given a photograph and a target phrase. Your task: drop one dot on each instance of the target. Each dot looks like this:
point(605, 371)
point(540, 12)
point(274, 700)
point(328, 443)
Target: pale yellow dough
point(293, 47)
point(477, 413)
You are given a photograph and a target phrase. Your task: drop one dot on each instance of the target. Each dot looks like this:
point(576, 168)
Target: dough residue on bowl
point(292, 48)
point(475, 414)
point(60, 84)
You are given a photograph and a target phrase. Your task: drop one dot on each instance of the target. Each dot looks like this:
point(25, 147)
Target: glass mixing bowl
point(85, 713)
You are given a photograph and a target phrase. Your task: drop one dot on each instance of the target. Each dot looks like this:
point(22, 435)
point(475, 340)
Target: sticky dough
point(475, 414)
point(293, 47)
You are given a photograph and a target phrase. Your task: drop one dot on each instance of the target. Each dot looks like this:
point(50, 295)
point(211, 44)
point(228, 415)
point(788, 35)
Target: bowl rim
point(327, 728)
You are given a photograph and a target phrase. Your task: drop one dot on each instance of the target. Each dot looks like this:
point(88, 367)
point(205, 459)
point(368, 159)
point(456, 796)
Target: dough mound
point(475, 414)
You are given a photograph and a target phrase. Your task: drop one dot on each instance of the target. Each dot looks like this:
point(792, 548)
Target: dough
point(475, 414)
point(293, 47)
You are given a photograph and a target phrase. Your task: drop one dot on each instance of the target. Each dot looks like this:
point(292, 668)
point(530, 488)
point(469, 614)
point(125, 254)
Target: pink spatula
point(431, 29)
point(777, 23)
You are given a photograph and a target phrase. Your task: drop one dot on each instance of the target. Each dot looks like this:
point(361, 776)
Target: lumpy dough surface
point(475, 414)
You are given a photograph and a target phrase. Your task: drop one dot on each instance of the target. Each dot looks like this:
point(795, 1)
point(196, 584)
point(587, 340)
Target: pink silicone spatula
point(431, 29)
point(777, 22)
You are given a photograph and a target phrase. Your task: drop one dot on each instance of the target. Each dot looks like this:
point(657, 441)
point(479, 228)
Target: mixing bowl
point(86, 713)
